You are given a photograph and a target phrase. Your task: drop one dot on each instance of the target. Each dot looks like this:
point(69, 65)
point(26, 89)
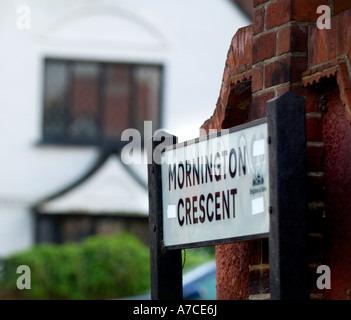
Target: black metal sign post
point(288, 233)
point(287, 197)
point(165, 266)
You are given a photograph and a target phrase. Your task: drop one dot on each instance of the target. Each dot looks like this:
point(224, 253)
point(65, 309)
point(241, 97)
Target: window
point(92, 102)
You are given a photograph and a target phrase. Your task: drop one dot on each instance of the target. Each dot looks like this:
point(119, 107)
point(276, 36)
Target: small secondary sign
point(215, 188)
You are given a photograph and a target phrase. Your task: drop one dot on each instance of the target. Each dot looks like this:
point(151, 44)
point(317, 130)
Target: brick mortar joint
point(247, 74)
point(306, 80)
point(276, 87)
point(342, 58)
point(316, 296)
point(314, 115)
point(258, 93)
point(259, 266)
point(316, 235)
point(277, 44)
point(297, 54)
point(313, 205)
point(278, 28)
point(260, 296)
point(315, 144)
point(315, 174)
point(265, 4)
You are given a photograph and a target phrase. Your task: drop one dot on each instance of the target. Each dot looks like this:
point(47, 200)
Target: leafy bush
point(101, 267)
point(196, 256)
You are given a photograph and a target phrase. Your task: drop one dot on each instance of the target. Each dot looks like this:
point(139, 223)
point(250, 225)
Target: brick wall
point(327, 82)
point(284, 51)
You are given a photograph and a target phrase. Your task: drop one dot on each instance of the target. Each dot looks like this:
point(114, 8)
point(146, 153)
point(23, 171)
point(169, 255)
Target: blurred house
point(76, 74)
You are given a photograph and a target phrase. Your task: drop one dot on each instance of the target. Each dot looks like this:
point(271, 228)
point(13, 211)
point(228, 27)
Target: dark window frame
point(114, 143)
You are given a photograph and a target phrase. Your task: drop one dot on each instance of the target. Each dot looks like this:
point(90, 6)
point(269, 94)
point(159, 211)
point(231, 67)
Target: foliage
point(101, 267)
point(196, 256)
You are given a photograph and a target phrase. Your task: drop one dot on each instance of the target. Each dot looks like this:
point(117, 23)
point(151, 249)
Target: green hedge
point(101, 267)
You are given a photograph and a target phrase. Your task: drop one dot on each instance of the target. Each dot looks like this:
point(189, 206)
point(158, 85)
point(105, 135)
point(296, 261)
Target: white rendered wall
point(190, 38)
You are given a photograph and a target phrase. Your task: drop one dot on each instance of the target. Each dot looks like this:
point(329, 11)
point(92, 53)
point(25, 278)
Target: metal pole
point(165, 266)
point(287, 168)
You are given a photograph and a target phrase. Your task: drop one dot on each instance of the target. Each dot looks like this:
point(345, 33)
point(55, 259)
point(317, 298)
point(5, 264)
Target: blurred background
point(76, 74)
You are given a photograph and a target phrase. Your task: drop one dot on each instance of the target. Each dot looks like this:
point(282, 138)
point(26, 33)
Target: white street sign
point(215, 188)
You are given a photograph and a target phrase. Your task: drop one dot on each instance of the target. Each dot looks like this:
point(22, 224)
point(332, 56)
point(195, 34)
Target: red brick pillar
point(279, 56)
point(284, 51)
point(233, 108)
point(328, 82)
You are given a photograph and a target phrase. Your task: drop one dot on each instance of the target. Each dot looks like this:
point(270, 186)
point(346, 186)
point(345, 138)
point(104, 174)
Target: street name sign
point(215, 189)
